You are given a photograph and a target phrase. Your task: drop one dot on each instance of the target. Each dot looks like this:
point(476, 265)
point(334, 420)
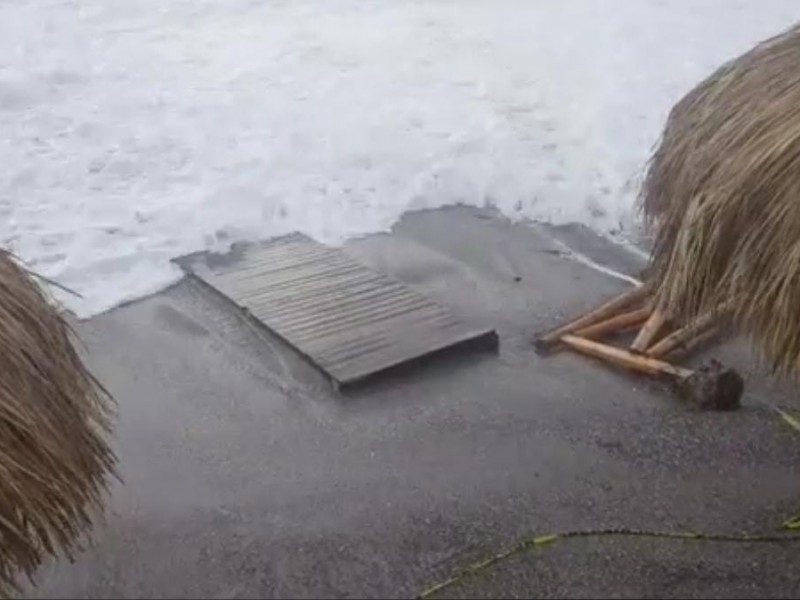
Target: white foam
point(133, 131)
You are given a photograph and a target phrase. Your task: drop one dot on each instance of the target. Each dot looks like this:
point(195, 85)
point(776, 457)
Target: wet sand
point(245, 475)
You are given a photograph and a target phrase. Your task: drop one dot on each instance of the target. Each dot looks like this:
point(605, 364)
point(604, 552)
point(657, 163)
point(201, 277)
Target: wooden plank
point(351, 322)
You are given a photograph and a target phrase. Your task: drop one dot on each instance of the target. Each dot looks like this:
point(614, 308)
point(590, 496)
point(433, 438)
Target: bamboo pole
point(649, 332)
point(627, 359)
point(684, 349)
point(618, 323)
point(710, 387)
point(607, 310)
point(683, 335)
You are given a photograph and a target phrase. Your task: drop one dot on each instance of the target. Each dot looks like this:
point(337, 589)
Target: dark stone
point(713, 387)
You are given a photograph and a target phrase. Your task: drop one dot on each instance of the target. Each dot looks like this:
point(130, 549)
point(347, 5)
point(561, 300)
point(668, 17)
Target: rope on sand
point(791, 534)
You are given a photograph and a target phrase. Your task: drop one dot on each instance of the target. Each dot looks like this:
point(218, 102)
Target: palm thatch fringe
point(722, 191)
point(55, 463)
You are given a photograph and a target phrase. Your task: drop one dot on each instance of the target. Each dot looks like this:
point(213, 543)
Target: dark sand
point(246, 476)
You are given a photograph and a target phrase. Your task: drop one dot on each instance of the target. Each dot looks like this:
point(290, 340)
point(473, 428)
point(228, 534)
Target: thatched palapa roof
point(723, 192)
point(54, 460)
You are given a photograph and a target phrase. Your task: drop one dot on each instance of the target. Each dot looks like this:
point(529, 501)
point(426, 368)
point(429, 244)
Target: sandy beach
point(246, 476)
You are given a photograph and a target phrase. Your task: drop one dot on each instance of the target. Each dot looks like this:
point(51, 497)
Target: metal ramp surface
point(349, 320)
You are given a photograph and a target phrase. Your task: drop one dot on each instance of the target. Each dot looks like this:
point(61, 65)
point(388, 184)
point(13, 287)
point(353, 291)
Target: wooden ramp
point(349, 320)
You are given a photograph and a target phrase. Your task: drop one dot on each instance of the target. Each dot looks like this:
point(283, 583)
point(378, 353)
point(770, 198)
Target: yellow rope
point(791, 525)
point(543, 540)
point(790, 420)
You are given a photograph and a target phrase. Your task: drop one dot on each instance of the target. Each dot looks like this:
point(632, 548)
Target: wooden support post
point(683, 335)
point(614, 324)
point(626, 359)
point(710, 387)
point(686, 348)
point(609, 309)
point(649, 332)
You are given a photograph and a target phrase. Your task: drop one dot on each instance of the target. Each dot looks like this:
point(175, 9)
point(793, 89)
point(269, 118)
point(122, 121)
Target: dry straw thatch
point(723, 192)
point(54, 459)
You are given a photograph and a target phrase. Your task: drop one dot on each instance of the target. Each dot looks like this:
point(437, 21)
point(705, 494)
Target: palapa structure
point(722, 192)
point(54, 459)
